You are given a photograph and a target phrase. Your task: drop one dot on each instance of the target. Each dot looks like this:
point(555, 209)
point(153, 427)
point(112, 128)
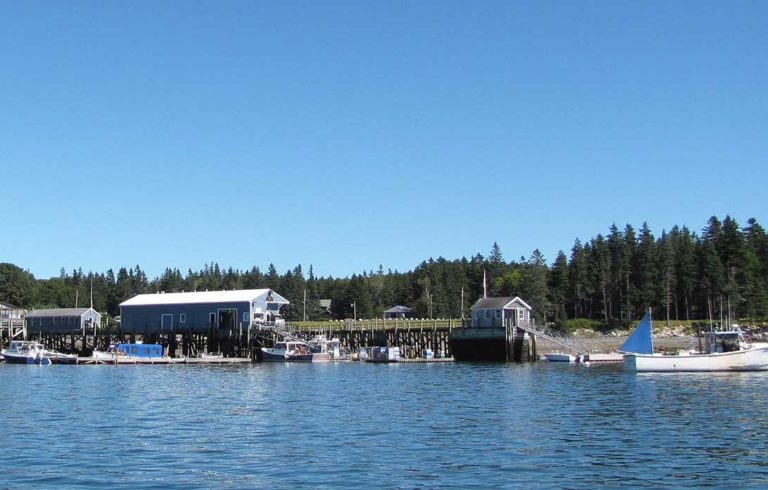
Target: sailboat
point(725, 350)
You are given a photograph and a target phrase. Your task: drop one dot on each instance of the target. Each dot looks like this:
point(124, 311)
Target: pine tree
point(559, 285)
point(534, 286)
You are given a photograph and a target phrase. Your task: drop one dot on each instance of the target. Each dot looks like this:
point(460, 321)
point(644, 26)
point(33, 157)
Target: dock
point(420, 360)
point(163, 360)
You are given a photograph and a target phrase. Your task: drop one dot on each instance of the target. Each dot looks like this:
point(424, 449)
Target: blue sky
point(351, 134)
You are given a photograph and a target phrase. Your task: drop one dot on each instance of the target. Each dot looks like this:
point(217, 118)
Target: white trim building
point(201, 311)
point(500, 312)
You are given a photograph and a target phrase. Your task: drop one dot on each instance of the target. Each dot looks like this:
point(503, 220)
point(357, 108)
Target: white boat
point(727, 350)
point(322, 344)
point(559, 357)
point(292, 351)
point(26, 352)
point(57, 357)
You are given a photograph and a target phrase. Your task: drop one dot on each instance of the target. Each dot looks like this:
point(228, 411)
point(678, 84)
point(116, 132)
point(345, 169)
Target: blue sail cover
point(640, 341)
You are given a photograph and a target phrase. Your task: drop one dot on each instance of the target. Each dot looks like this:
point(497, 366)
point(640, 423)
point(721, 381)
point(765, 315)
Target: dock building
point(11, 321)
point(201, 311)
point(494, 333)
point(399, 312)
point(62, 321)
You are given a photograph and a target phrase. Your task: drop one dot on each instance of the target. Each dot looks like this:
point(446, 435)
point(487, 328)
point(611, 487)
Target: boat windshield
point(725, 341)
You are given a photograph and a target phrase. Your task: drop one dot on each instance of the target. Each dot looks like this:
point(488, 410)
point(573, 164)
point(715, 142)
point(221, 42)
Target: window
point(182, 318)
point(498, 314)
point(245, 316)
point(487, 314)
point(521, 314)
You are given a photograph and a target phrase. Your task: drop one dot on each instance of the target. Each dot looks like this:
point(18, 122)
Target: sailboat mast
point(650, 321)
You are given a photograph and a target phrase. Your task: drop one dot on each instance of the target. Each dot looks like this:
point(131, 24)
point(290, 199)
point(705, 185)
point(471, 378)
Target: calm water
point(353, 425)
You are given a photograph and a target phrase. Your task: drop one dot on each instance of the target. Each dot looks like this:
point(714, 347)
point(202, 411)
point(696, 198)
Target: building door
point(166, 322)
point(228, 318)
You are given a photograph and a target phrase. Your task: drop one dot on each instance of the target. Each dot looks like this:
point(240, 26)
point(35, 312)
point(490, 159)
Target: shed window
point(182, 318)
point(487, 313)
point(498, 314)
point(521, 314)
point(245, 316)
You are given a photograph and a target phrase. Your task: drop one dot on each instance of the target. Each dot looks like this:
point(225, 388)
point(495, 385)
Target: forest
point(609, 280)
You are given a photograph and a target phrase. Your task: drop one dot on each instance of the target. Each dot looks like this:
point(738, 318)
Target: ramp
point(558, 338)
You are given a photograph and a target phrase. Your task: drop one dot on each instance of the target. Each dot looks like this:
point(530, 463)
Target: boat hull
point(559, 357)
point(15, 359)
point(755, 359)
point(268, 356)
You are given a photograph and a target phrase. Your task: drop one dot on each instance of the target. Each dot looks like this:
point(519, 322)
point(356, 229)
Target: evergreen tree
point(579, 279)
point(534, 286)
point(17, 286)
point(644, 272)
point(559, 286)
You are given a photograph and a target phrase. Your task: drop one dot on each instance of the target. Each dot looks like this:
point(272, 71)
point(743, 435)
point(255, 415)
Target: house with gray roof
point(500, 312)
point(399, 312)
point(9, 311)
point(62, 320)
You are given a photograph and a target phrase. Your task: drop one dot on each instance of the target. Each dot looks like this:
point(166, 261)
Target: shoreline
point(609, 343)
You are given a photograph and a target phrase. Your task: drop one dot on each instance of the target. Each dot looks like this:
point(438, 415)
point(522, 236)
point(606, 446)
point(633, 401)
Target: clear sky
point(349, 134)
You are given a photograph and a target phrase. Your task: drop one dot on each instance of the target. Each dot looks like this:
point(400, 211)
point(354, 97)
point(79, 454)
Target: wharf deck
point(418, 360)
point(163, 360)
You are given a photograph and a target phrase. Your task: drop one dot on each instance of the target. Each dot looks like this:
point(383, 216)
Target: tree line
point(611, 279)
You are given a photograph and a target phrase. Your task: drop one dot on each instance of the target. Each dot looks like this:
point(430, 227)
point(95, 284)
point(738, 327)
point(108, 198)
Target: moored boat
point(560, 357)
point(57, 357)
point(725, 350)
point(26, 352)
point(292, 351)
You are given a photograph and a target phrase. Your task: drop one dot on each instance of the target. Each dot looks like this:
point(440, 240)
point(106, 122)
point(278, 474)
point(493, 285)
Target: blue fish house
point(63, 321)
point(201, 311)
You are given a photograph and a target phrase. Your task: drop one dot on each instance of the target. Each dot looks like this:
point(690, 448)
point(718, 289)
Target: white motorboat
point(26, 352)
point(560, 357)
point(322, 344)
point(726, 350)
point(57, 357)
point(292, 351)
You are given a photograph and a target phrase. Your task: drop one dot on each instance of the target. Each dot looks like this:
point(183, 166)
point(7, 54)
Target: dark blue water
point(392, 426)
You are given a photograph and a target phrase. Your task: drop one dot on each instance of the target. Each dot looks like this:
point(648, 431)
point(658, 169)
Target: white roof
point(238, 295)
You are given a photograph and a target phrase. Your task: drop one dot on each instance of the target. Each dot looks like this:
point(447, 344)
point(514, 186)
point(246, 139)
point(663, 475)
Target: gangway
point(564, 341)
point(282, 331)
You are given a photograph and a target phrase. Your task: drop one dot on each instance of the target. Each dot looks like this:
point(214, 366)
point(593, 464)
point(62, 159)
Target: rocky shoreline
point(609, 343)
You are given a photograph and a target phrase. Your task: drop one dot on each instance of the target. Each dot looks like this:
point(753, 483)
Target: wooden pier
point(413, 337)
point(123, 360)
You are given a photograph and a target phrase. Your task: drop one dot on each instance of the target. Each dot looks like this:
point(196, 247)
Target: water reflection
point(346, 425)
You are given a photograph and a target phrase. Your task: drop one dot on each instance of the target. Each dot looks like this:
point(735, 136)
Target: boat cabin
point(141, 350)
point(292, 347)
point(726, 341)
point(23, 347)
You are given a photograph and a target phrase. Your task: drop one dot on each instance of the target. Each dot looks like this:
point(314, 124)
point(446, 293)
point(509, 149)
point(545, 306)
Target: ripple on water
point(402, 426)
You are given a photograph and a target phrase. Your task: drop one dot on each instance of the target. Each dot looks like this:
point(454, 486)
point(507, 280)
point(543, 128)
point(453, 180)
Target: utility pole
point(304, 315)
